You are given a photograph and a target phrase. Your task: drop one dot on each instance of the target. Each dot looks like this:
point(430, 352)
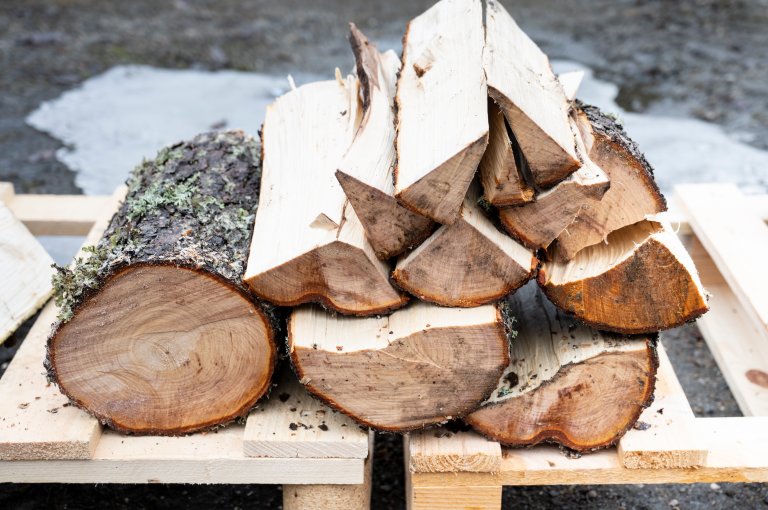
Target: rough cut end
point(586, 406)
point(338, 275)
point(389, 227)
point(420, 366)
point(439, 194)
point(164, 350)
point(635, 195)
point(640, 281)
point(565, 383)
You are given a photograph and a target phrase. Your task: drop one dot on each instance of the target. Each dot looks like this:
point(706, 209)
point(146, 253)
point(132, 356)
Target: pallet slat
point(25, 273)
point(737, 240)
point(55, 215)
point(36, 421)
point(293, 424)
point(670, 441)
point(198, 458)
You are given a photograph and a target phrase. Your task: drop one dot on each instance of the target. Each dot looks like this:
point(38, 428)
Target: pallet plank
point(737, 348)
point(36, 421)
point(25, 273)
point(198, 458)
point(293, 424)
point(670, 439)
point(736, 239)
point(441, 451)
point(738, 448)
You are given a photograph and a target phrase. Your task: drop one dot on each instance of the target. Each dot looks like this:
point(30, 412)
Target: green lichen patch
point(192, 206)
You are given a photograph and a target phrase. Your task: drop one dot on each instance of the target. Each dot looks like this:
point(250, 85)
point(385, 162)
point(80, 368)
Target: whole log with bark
point(521, 81)
point(365, 172)
point(156, 333)
point(640, 280)
point(637, 198)
point(318, 250)
point(469, 263)
point(442, 117)
point(566, 383)
point(420, 366)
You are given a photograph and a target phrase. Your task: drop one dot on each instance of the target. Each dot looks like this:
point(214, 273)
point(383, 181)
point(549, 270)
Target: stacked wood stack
point(458, 236)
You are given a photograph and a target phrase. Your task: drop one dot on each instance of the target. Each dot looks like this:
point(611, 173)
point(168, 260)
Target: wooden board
point(25, 273)
point(293, 424)
point(442, 116)
point(666, 435)
point(63, 215)
point(732, 338)
point(35, 420)
point(736, 239)
point(199, 458)
point(737, 451)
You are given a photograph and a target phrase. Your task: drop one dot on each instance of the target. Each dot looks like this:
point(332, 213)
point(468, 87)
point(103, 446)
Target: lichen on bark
point(192, 206)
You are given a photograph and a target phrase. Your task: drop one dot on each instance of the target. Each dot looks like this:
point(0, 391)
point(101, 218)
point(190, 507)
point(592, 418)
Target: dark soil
point(698, 57)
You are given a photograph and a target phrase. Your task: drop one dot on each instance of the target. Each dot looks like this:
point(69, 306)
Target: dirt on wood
point(700, 57)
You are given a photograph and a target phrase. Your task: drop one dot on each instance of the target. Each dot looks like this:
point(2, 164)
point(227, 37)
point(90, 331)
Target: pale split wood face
point(164, 350)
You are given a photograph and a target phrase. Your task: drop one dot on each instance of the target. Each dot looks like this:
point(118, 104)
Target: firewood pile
point(446, 234)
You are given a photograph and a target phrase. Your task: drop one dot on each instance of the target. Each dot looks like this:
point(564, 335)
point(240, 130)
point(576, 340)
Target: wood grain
point(365, 172)
point(442, 117)
point(420, 366)
point(641, 280)
point(521, 81)
point(318, 250)
point(469, 263)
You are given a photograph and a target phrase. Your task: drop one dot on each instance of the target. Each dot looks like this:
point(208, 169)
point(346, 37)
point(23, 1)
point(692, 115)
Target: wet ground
point(700, 58)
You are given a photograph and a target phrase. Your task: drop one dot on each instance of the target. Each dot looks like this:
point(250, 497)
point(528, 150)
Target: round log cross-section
point(156, 332)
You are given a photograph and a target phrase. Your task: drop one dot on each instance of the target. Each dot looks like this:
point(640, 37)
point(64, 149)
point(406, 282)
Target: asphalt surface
point(701, 58)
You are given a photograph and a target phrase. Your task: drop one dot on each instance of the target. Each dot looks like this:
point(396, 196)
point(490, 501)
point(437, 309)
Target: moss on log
point(157, 313)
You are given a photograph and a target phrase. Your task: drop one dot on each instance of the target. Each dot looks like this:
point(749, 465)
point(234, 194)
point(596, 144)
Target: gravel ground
point(704, 58)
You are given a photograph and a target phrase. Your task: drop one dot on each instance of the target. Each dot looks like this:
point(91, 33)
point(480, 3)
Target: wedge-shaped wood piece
point(442, 117)
point(365, 172)
point(539, 223)
point(421, 365)
point(469, 263)
point(640, 280)
point(570, 82)
point(501, 166)
point(521, 81)
point(317, 250)
point(25, 270)
point(156, 333)
point(565, 383)
point(634, 199)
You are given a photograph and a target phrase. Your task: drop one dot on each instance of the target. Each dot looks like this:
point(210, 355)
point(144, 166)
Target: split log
point(637, 198)
point(501, 168)
point(156, 333)
point(420, 366)
point(566, 383)
point(466, 264)
point(539, 223)
point(521, 81)
point(640, 280)
point(318, 250)
point(365, 172)
point(442, 116)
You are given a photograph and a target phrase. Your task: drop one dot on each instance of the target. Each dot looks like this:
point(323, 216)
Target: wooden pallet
point(727, 236)
point(43, 439)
